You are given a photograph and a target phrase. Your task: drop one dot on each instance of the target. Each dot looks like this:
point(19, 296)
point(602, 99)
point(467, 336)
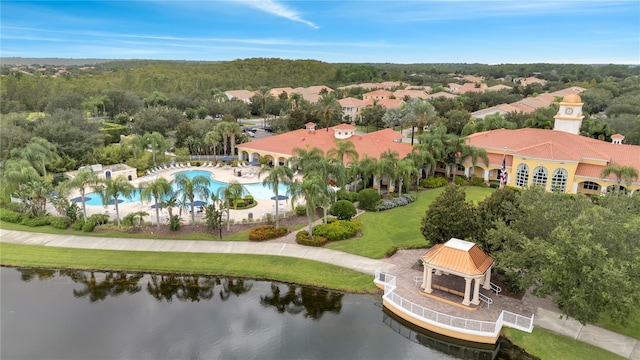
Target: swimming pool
point(257, 190)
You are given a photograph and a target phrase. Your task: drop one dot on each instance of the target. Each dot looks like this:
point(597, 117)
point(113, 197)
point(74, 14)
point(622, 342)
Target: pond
point(51, 314)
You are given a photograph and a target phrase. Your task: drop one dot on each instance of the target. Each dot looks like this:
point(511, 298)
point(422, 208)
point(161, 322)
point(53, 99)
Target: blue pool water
point(257, 190)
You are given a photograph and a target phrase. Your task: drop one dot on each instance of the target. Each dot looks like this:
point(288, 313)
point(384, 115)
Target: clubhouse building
point(558, 159)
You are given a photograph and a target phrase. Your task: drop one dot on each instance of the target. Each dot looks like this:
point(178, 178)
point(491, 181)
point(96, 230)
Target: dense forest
point(81, 109)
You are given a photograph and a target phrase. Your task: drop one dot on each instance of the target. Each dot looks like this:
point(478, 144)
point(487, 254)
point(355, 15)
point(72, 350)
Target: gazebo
point(462, 258)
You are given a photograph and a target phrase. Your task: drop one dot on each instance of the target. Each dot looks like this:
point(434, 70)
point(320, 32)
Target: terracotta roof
point(371, 144)
point(380, 92)
point(571, 90)
point(498, 87)
point(240, 94)
point(386, 103)
point(617, 136)
point(351, 102)
point(441, 94)
point(399, 94)
point(459, 256)
point(471, 87)
point(345, 127)
point(559, 146)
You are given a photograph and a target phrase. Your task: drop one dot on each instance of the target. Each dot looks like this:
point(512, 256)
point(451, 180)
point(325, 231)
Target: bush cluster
point(367, 199)
point(477, 181)
point(403, 200)
point(267, 232)
point(337, 230)
point(303, 238)
point(301, 210)
point(60, 222)
point(10, 216)
point(36, 221)
point(343, 210)
point(433, 182)
point(343, 194)
point(93, 221)
point(460, 180)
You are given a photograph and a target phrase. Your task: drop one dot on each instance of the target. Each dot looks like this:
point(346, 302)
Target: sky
point(357, 31)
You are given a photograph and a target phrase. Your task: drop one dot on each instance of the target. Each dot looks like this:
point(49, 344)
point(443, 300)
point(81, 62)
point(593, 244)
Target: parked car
point(268, 128)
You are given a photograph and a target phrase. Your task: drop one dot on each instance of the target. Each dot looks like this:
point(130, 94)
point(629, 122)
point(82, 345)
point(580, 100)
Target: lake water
point(49, 314)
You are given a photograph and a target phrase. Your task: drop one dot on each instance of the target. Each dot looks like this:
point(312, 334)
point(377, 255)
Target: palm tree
point(621, 172)
point(223, 128)
point(393, 117)
point(84, 178)
point(158, 144)
point(387, 165)
point(313, 189)
point(405, 168)
point(458, 150)
point(156, 99)
point(169, 203)
point(234, 130)
point(263, 95)
point(434, 143)
point(328, 107)
point(366, 168)
point(112, 188)
point(342, 149)
point(232, 192)
point(38, 191)
point(15, 173)
point(137, 144)
point(276, 176)
point(188, 189)
point(420, 113)
point(157, 189)
point(37, 152)
point(212, 138)
point(304, 157)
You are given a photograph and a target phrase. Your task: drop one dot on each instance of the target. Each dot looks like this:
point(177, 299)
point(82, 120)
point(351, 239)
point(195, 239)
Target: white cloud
point(277, 9)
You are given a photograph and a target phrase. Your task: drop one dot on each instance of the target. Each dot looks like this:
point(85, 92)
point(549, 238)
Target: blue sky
point(410, 31)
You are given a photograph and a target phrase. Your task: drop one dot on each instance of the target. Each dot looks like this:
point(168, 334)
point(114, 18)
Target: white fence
point(468, 326)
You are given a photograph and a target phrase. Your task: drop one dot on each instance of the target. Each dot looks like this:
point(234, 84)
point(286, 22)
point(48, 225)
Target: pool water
point(257, 190)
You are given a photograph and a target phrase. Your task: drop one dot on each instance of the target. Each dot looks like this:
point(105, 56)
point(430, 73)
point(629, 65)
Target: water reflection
point(297, 299)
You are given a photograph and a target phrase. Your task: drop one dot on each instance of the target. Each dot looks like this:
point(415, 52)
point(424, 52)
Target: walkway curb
point(354, 262)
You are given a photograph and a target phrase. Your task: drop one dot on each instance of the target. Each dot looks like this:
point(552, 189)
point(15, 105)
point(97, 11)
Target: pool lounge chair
point(217, 165)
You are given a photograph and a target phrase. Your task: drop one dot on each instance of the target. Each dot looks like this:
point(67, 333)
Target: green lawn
point(547, 345)
point(632, 328)
point(400, 227)
point(286, 269)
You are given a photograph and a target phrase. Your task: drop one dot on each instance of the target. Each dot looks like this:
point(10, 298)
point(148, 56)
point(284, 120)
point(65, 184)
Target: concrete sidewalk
point(621, 345)
point(349, 261)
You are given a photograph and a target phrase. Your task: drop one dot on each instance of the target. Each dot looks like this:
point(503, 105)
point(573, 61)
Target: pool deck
point(223, 174)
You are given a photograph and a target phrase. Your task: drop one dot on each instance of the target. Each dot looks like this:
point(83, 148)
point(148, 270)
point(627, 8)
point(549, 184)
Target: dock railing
point(468, 326)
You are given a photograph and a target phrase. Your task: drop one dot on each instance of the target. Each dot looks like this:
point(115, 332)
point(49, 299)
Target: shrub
point(383, 205)
point(343, 194)
point(17, 207)
point(494, 185)
point(390, 252)
point(343, 210)
point(10, 216)
point(367, 199)
point(98, 219)
point(241, 203)
point(337, 230)
point(88, 226)
point(36, 221)
point(433, 182)
point(78, 224)
point(249, 199)
point(60, 222)
point(174, 223)
point(303, 238)
point(301, 210)
point(267, 232)
point(477, 181)
point(410, 198)
point(460, 180)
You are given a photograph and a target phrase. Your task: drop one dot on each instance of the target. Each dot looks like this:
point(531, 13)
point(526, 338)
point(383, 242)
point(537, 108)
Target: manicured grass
point(285, 269)
point(631, 328)
point(399, 227)
point(548, 345)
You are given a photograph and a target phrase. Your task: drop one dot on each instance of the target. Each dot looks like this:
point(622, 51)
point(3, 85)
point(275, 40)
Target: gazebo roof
point(458, 256)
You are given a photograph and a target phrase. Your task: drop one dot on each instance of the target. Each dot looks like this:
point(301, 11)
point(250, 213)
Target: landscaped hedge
point(403, 200)
point(301, 210)
point(343, 194)
point(36, 221)
point(337, 229)
point(477, 181)
point(303, 238)
point(10, 216)
point(343, 210)
point(460, 180)
point(267, 232)
point(60, 222)
point(93, 221)
point(367, 199)
point(433, 182)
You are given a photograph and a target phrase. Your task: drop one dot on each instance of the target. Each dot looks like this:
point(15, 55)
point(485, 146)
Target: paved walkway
point(618, 344)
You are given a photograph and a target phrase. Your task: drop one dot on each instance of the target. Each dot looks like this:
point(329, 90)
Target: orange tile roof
point(380, 92)
point(459, 256)
point(372, 144)
point(386, 103)
point(559, 146)
point(441, 94)
point(351, 102)
point(399, 94)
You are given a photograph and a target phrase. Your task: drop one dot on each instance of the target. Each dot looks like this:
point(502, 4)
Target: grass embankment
point(547, 345)
point(400, 227)
point(285, 269)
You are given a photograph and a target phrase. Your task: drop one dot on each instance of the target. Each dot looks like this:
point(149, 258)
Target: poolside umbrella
point(79, 199)
point(280, 197)
point(226, 158)
point(254, 163)
point(199, 203)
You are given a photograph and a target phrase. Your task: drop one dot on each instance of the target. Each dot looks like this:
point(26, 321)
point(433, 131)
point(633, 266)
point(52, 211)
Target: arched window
point(540, 176)
point(522, 175)
point(559, 180)
point(590, 185)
